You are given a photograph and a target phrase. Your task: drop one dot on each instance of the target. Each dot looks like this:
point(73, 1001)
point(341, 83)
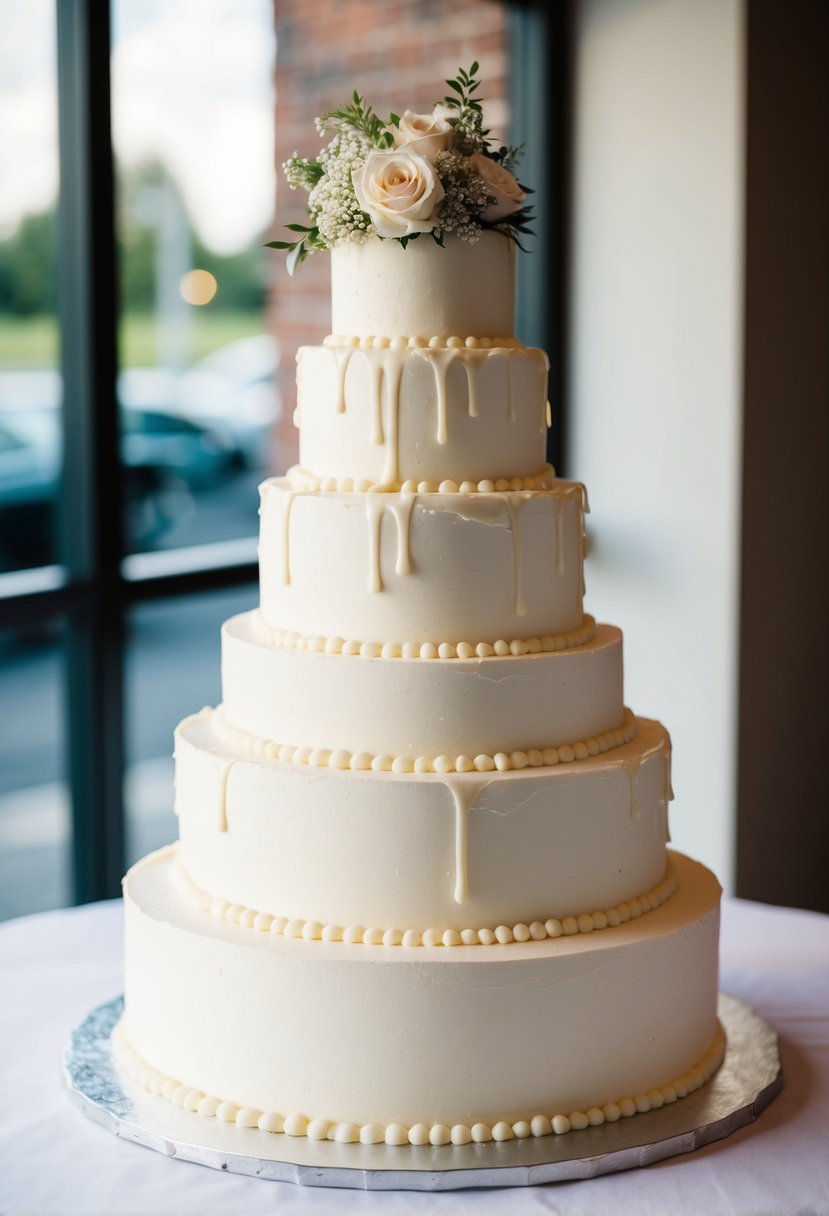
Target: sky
point(191, 85)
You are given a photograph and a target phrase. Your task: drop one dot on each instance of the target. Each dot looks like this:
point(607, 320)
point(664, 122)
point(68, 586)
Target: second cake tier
point(421, 568)
point(410, 709)
point(377, 856)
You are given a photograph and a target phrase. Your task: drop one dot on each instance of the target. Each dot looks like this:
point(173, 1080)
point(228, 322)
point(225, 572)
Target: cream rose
point(430, 133)
point(500, 185)
point(400, 191)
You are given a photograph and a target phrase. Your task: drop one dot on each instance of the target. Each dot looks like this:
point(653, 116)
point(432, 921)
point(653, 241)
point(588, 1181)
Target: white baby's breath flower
point(333, 203)
point(400, 191)
point(427, 133)
point(500, 186)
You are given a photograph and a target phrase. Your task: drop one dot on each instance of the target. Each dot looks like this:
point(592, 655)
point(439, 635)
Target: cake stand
point(749, 1078)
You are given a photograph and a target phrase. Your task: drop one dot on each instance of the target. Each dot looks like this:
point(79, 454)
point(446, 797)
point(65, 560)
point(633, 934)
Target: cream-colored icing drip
point(668, 795)
point(441, 361)
point(543, 404)
point(384, 401)
point(265, 490)
point(342, 358)
point(225, 766)
point(402, 511)
point(559, 526)
point(377, 435)
point(375, 508)
point(513, 507)
point(392, 375)
point(473, 369)
point(633, 768)
point(288, 497)
point(510, 392)
point(387, 371)
point(669, 789)
point(401, 508)
point(464, 794)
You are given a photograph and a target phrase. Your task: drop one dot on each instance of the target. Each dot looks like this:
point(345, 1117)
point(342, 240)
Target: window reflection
point(30, 385)
point(172, 671)
point(193, 133)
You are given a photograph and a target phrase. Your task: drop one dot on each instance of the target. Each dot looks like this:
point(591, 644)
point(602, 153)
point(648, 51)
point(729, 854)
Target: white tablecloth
point(57, 966)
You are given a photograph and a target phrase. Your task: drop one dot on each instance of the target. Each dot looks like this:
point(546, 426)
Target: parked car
point(181, 433)
point(235, 391)
point(164, 458)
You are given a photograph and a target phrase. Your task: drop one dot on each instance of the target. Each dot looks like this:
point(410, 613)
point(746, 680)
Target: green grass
point(32, 342)
point(28, 342)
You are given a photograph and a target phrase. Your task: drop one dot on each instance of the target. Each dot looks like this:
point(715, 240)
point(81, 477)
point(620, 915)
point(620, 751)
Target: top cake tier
point(381, 288)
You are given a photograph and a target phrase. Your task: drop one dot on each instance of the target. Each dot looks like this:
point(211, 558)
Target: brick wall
point(397, 54)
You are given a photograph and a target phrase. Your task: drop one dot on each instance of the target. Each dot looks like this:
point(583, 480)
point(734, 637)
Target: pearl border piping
point(416, 342)
point(323, 757)
point(297, 1124)
point(286, 639)
point(310, 483)
point(309, 930)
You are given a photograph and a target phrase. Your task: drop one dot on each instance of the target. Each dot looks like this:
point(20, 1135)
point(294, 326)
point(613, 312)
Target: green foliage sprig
point(467, 119)
point(299, 250)
point(515, 225)
point(510, 158)
point(357, 116)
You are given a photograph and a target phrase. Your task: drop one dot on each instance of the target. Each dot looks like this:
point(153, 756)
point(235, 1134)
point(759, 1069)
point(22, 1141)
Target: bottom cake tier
point(425, 1045)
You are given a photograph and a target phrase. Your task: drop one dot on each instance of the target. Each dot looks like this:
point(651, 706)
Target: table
point(58, 965)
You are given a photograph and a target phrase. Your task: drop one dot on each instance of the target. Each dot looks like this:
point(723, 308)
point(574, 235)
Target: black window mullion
point(539, 54)
point(90, 537)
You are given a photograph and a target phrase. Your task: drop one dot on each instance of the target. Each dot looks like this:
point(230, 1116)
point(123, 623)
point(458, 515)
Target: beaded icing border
point(311, 483)
point(356, 935)
point(286, 639)
point(297, 1124)
point(323, 757)
point(417, 342)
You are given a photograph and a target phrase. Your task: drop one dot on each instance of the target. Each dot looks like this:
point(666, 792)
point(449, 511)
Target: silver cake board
point(749, 1078)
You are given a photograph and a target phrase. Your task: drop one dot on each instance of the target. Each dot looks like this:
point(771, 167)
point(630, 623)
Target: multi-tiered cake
point(422, 892)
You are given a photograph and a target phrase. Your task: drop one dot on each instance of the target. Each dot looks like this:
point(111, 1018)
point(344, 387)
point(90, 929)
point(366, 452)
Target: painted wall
point(655, 371)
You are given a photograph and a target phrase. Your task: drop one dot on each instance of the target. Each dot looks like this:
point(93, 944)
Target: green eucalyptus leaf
point(296, 256)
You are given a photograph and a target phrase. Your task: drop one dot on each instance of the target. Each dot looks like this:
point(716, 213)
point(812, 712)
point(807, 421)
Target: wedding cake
point(422, 893)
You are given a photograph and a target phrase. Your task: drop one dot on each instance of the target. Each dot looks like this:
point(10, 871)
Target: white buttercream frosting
point(502, 564)
point(316, 643)
point(381, 288)
point(526, 853)
point(421, 1134)
point(314, 1050)
point(422, 413)
point(497, 935)
point(428, 706)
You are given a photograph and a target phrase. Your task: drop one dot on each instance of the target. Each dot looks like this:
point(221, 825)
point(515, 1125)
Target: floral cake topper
point(405, 177)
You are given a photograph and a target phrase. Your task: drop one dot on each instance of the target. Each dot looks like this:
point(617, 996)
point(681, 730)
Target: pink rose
point(400, 191)
point(430, 133)
point(500, 185)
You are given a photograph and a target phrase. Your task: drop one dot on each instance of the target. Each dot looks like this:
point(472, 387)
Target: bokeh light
point(198, 286)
